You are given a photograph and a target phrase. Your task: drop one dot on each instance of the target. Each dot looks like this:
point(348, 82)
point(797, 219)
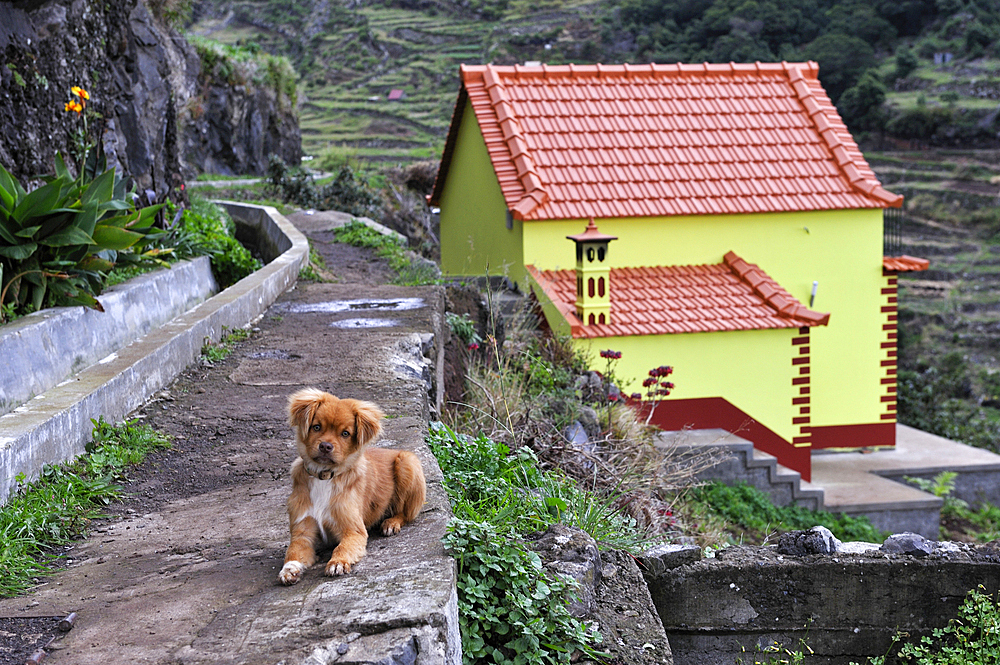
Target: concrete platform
point(871, 483)
point(866, 483)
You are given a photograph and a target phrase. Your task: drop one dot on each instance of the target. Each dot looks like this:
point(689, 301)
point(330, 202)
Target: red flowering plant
point(609, 391)
point(657, 387)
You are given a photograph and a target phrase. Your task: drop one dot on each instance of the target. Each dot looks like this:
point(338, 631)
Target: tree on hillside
point(906, 62)
point(842, 59)
point(861, 104)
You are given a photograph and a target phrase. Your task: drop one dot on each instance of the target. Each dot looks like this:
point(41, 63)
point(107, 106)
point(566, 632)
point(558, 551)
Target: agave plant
point(58, 242)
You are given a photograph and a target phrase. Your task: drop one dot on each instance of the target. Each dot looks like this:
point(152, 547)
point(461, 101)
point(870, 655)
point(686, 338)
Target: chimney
point(593, 286)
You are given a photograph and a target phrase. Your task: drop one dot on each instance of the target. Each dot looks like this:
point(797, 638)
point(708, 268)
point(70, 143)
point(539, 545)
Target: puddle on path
point(365, 323)
point(364, 304)
point(273, 354)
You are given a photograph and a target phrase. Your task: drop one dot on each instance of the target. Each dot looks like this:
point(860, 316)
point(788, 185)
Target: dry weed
point(511, 399)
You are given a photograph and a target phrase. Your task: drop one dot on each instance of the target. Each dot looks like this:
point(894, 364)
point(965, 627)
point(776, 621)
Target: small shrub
point(206, 228)
point(347, 192)
point(750, 508)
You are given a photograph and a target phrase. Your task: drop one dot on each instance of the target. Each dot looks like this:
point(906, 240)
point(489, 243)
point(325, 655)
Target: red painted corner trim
point(855, 436)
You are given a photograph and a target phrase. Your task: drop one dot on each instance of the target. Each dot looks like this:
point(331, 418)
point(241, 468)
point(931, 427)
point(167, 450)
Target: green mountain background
point(902, 73)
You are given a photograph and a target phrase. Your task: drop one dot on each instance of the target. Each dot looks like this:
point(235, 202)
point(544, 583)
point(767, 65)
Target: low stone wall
point(846, 606)
point(55, 426)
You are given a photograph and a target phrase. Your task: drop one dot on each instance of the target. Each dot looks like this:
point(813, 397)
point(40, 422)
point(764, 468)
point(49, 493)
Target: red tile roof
point(570, 142)
point(732, 295)
point(904, 263)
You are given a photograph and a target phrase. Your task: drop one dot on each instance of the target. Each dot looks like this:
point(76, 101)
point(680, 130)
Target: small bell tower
point(593, 288)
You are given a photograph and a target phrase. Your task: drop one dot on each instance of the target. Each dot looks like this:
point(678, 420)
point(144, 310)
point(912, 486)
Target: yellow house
point(735, 229)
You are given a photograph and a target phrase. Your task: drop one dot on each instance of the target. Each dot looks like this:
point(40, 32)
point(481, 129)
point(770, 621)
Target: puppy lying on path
point(340, 486)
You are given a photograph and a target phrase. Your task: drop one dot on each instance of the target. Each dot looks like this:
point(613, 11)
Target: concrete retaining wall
point(846, 606)
point(42, 349)
point(55, 425)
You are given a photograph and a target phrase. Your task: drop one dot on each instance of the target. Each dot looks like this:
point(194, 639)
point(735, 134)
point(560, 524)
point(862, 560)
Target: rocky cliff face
point(243, 111)
point(159, 119)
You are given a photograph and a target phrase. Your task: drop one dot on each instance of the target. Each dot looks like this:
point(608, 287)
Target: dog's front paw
point(392, 526)
point(338, 568)
point(291, 572)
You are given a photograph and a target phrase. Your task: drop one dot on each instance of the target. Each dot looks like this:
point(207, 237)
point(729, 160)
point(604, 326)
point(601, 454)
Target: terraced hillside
point(950, 314)
point(951, 217)
point(352, 59)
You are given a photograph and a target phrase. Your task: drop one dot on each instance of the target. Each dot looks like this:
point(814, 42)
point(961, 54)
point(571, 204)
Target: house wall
point(841, 250)
point(474, 234)
point(711, 365)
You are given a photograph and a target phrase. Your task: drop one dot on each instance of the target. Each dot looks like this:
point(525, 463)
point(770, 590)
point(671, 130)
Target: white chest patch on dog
point(320, 492)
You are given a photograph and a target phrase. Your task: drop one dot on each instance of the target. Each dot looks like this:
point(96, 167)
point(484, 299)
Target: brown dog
point(340, 487)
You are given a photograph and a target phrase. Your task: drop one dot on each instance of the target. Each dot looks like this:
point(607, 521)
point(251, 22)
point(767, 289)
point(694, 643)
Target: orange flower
point(80, 92)
point(72, 105)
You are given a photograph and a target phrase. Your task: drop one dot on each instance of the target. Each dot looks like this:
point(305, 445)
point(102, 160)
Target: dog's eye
point(317, 427)
point(345, 434)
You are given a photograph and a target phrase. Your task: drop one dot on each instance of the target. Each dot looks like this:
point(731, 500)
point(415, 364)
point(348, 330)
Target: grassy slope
point(355, 57)
point(351, 55)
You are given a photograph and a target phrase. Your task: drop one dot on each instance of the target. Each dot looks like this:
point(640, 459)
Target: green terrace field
point(350, 60)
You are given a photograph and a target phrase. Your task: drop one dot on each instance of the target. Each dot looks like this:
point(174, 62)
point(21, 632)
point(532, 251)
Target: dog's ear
point(367, 422)
point(301, 406)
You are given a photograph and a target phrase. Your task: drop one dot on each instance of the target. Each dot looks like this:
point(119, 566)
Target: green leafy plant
point(59, 241)
point(56, 509)
point(510, 609)
point(206, 228)
point(464, 328)
point(942, 485)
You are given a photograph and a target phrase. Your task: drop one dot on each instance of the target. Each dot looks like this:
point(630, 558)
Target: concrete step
point(739, 461)
point(863, 483)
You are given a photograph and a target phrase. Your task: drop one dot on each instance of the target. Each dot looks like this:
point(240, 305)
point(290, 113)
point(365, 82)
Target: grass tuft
point(410, 270)
point(213, 353)
point(744, 506)
point(57, 508)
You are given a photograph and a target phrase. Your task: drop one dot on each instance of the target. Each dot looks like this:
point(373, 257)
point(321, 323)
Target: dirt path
point(185, 571)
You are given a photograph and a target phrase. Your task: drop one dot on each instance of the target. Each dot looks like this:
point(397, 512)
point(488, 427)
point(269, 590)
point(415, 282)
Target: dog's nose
point(325, 447)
